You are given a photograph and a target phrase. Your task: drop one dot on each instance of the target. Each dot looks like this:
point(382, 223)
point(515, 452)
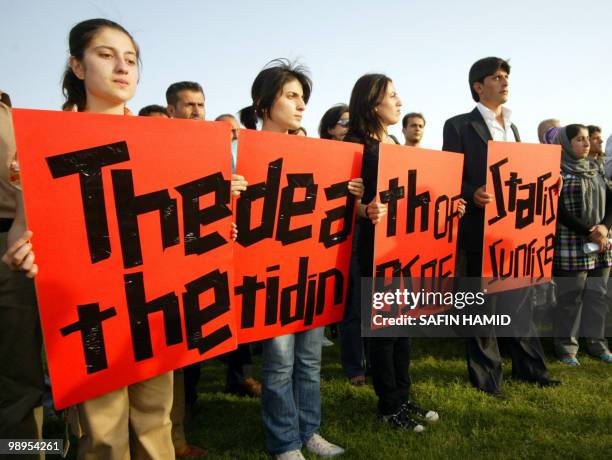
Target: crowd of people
point(147, 419)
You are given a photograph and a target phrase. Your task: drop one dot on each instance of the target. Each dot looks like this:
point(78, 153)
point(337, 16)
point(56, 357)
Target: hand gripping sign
point(520, 222)
point(295, 225)
point(131, 223)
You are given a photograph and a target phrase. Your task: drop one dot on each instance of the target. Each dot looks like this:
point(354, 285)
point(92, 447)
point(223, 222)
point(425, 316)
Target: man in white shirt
point(469, 134)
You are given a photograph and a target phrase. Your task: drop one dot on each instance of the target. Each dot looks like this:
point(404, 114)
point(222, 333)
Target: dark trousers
point(483, 358)
point(191, 374)
point(239, 364)
point(352, 345)
point(21, 373)
point(390, 360)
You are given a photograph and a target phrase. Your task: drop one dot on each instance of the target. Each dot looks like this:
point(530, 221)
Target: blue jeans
point(291, 389)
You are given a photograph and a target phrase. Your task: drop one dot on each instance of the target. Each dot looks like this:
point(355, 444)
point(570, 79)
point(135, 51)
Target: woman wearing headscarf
point(581, 273)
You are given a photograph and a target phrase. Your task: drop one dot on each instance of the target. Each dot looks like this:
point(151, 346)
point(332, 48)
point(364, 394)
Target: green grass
point(571, 421)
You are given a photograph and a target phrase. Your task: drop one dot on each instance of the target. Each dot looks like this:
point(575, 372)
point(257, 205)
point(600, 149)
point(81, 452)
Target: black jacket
point(468, 134)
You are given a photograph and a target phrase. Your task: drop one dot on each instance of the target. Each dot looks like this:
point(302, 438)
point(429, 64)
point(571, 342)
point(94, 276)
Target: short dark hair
point(147, 110)
point(267, 86)
point(368, 92)
point(330, 118)
point(572, 130)
point(410, 115)
point(593, 129)
point(484, 68)
point(295, 131)
point(175, 88)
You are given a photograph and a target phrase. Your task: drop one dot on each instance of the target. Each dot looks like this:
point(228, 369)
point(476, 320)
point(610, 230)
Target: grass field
point(571, 421)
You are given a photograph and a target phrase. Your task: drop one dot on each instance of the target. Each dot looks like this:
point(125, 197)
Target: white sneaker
point(318, 445)
point(326, 342)
point(291, 455)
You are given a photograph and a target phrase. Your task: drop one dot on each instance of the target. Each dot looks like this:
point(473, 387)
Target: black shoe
point(544, 383)
point(497, 394)
point(402, 420)
point(411, 408)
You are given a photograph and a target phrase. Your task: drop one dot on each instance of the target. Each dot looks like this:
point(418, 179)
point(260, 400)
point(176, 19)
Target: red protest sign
point(131, 231)
point(520, 222)
point(295, 225)
point(417, 239)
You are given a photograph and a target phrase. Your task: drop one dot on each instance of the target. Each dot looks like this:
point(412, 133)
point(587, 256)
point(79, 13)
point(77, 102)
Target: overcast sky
point(560, 52)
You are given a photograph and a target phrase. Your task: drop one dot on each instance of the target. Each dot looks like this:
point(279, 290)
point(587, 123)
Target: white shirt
point(498, 132)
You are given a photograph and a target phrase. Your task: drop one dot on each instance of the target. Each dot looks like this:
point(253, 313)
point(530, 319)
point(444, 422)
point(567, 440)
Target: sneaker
point(570, 360)
point(606, 357)
point(402, 420)
point(326, 342)
point(411, 408)
point(318, 445)
point(291, 455)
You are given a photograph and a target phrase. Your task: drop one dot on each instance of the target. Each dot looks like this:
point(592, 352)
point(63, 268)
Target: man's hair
point(593, 129)
point(223, 116)
point(297, 130)
point(484, 68)
point(175, 88)
point(147, 110)
point(410, 115)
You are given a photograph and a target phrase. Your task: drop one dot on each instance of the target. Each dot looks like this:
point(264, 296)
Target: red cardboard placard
point(131, 225)
point(294, 232)
point(417, 238)
point(520, 222)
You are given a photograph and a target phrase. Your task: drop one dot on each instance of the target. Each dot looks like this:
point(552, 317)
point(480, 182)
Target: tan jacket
point(7, 155)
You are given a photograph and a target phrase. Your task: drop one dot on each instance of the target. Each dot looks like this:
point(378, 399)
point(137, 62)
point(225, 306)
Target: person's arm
point(607, 220)
point(570, 221)
point(20, 256)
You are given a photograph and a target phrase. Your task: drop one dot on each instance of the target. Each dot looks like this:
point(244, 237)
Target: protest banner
point(132, 236)
point(295, 227)
point(520, 222)
point(415, 244)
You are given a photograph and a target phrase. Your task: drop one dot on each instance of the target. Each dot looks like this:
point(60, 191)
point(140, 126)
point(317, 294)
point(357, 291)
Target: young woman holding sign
point(374, 106)
point(101, 76)
point(291, 368)
point(581, 273)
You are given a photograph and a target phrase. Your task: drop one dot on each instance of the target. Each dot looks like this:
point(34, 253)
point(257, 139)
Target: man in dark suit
point(469, 134)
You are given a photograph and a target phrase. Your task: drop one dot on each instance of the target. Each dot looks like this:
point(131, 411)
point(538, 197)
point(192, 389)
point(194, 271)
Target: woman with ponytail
point(101, 76)
point(291, 367)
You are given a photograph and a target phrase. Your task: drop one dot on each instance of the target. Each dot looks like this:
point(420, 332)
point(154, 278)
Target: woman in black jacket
point(374, 106)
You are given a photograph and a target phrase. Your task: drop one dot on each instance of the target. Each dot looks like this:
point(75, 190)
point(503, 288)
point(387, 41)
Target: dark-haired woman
point(291, 367)
point(581, 275)
point(334, 123)
point(101, 76)
point(374, 106)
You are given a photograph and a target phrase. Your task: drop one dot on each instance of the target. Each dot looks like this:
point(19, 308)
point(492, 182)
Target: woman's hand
point(20, 256)
point(239, 184)
point(598, 233)
point(375, 211)
point(461, 203)
point(604, 245)
point(355, 186)
point(234, 232)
